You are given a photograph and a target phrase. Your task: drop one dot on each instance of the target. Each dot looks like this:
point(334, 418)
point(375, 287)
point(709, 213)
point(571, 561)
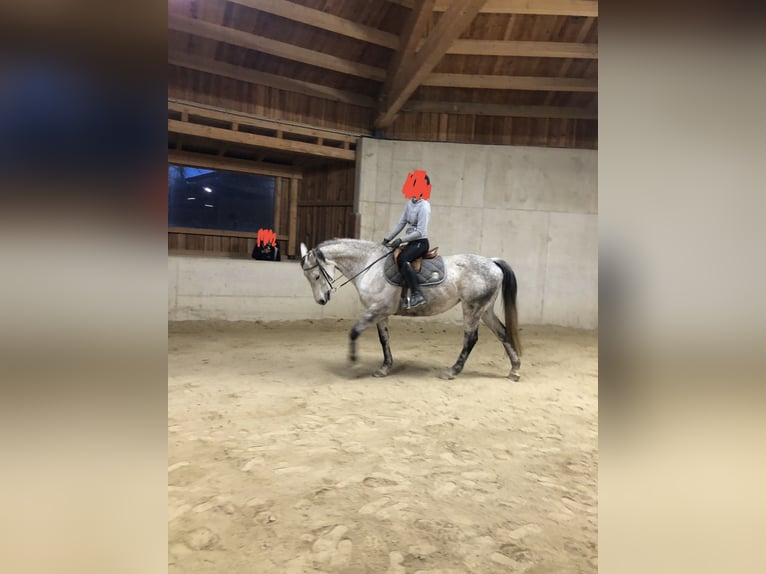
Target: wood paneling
point(240, 96)
point(212, 243)
point(292, 222)
point(325, 207)
point(555, 7)
point(501, 110)
point(496, 130)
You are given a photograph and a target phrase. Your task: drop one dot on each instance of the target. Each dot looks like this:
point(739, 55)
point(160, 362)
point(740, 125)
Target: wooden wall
point(473, 129)
point(240, 96)
point(326, 204)
point(210, 243)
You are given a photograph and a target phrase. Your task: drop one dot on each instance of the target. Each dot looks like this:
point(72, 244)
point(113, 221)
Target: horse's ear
point(304, 250)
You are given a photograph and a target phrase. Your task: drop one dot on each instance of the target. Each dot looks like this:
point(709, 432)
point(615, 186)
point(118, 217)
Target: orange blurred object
point(417, 184)
point(266, 237)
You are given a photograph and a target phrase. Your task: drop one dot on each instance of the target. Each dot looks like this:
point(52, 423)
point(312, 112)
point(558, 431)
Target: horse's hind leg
point(470, 336)
point(496, 326)
point(388, 360)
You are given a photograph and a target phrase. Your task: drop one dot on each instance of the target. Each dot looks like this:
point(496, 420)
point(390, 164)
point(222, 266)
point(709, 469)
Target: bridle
point(326, 275)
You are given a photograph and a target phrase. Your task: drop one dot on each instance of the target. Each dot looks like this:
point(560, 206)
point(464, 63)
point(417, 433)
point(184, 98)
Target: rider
point(416, 213)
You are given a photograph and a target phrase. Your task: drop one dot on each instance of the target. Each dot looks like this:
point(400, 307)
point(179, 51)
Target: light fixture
point(208, 205)
point(190, 198)
point(207, 189)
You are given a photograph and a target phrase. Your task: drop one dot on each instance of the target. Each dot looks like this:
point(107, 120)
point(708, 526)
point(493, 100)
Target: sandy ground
point(284, 459)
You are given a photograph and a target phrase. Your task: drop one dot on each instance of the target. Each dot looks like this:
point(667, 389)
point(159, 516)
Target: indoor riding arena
point(295, 122)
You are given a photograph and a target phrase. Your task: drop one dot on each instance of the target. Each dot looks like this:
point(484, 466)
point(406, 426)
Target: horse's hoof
point(352, 358)
point(380, 373)
point(447, 375)
point(514, 376)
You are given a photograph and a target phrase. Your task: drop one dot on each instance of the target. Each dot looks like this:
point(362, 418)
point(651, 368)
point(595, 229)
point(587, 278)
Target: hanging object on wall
point(266, 246)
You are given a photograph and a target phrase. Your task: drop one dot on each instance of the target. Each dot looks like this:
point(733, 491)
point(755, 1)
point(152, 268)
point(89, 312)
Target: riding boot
point(411, 278)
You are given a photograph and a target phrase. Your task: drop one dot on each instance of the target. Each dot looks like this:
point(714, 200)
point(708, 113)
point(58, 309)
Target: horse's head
point(319, 273)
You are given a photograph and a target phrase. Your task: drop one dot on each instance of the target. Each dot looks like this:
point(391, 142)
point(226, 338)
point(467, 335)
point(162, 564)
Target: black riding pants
point(412, 251)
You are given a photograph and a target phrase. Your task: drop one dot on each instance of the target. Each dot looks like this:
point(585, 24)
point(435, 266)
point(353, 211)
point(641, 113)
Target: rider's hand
point(395, 243)
point(385, 241)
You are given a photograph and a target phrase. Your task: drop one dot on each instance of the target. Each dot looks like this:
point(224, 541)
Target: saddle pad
point(431, 272)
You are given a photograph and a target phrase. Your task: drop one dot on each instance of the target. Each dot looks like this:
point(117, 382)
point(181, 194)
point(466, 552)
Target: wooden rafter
point(409, 76)
point(351, 29)
point(581, 35)
point(533, 83)
point(524, 49)
point(478, 109)
point(542, 7)
point(323, 20)
point(249, 41)
point(210, 161)
point(271, 80)
point(412, 32)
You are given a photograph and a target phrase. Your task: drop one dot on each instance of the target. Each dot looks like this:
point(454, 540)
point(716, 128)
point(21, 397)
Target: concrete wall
point(534, 207)
point(248, 290)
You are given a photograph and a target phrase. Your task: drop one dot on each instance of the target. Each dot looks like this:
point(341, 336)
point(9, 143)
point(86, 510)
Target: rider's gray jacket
point(415, 216)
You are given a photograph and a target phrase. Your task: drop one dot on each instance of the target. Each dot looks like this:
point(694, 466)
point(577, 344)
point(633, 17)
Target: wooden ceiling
point(463, 70)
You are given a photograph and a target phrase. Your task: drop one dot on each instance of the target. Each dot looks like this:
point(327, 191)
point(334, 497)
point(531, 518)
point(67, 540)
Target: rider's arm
point(421, 227)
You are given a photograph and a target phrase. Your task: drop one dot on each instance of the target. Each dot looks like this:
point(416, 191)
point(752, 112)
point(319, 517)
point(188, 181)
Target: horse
point(472, 280)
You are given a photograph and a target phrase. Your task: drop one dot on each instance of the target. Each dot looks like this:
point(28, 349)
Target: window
point(223, 200)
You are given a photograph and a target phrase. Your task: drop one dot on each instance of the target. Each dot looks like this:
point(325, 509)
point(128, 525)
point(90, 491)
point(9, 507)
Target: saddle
point(429, 269)
point(416, 263)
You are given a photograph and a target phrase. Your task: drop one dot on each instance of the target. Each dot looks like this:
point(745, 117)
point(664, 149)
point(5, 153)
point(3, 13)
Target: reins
point(331, 281)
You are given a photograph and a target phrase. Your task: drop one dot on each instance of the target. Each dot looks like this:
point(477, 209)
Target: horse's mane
point(350, 242)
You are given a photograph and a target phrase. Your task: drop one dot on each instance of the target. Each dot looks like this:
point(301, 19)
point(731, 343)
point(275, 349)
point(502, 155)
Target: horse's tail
point(509, 303)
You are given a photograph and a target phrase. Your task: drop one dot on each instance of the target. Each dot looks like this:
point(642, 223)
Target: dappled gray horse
point(472, 280)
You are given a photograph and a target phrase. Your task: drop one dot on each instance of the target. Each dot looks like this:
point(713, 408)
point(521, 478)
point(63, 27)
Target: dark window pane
point(212, 199)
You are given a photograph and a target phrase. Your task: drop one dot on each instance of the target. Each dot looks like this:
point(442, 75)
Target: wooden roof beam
point(533, 83)
point(412, 72)
point(411, 33)
point(542, 7)
point(581, 35)
point(231, 164)
point(324, 21)
point(233, 72)
point(351, 29)
point(249, 41)
point(477, 109)
point(524, 49)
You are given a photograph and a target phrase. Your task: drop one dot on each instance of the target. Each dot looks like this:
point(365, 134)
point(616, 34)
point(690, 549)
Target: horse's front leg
point(367, 319)
point(388, 360)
